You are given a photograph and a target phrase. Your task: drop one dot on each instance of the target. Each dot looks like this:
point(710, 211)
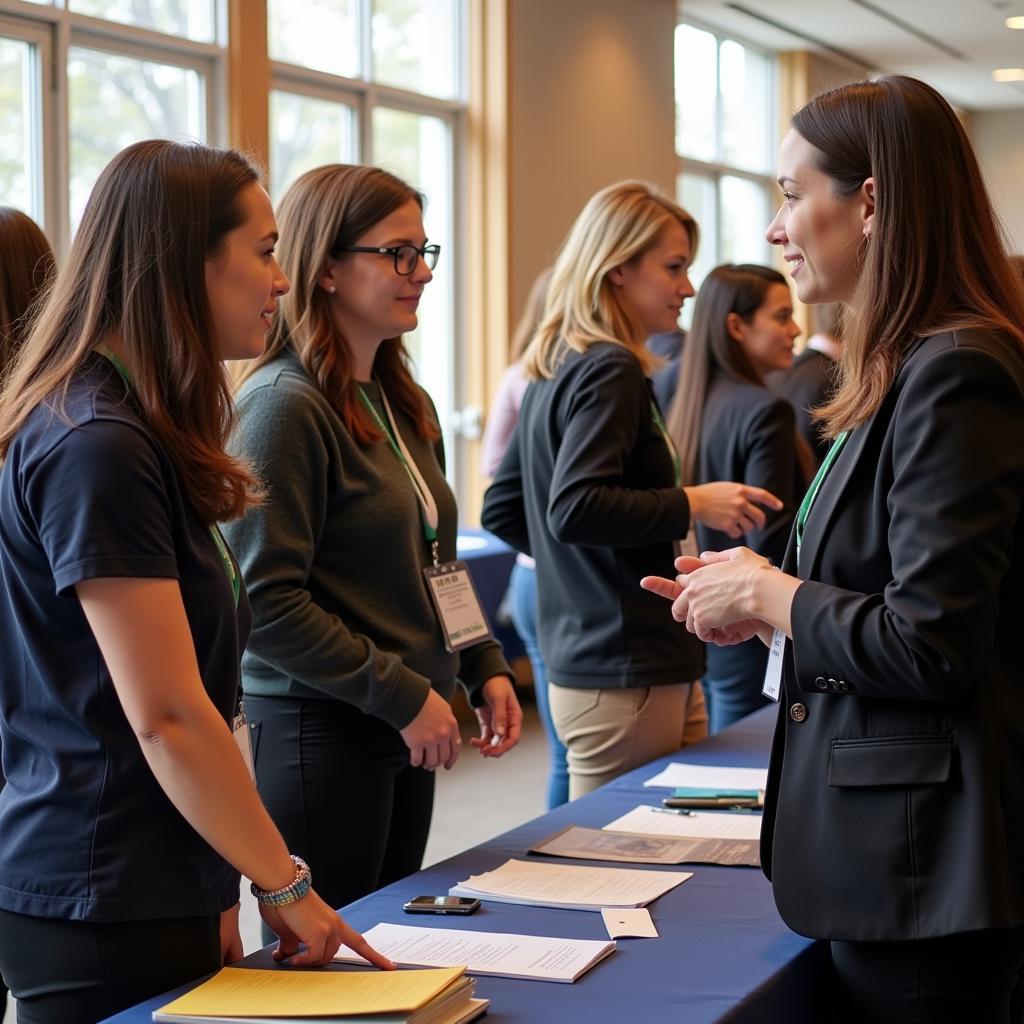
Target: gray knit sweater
point(333, 559)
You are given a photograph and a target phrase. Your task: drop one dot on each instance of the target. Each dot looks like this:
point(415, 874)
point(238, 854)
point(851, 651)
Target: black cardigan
point(587, 486)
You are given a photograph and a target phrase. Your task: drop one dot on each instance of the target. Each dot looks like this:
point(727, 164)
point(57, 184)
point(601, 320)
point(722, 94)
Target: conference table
point(723, 954)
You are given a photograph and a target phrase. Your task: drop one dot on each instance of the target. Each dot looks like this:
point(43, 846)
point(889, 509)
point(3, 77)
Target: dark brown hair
point(323, 212)
point(936, 260)
point(709, 347)
point(26, 266)
point(136, 273)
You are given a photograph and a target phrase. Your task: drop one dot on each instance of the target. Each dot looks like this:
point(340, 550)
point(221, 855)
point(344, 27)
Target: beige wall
point(590, 102)
point(998, 138)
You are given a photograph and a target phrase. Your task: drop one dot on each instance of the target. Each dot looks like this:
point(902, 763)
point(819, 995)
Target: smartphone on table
point(441, 905)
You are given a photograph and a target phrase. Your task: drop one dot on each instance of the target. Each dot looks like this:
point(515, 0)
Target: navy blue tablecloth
point(723, 954)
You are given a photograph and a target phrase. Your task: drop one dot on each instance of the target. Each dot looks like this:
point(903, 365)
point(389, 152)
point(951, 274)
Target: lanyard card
point(773, 674)
point(458, 606)
point(240, 731)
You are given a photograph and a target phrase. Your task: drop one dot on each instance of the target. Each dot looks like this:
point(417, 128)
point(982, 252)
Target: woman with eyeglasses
point(347, 676)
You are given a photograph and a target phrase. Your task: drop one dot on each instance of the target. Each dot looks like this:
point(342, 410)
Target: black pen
point(671, 810)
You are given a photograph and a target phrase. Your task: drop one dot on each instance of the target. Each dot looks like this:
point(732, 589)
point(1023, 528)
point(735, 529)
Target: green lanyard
point(218, 540)
point(429, 532)
point(812, 491)
point(659, 422)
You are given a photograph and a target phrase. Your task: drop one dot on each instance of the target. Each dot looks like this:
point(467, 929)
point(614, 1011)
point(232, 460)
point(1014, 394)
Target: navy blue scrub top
point(85, 831)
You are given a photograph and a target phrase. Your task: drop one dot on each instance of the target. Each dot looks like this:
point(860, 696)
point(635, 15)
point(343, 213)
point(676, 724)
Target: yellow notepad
point(239, 991)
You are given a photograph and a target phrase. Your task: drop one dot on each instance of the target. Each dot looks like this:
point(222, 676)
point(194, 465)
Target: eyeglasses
point(406, 257)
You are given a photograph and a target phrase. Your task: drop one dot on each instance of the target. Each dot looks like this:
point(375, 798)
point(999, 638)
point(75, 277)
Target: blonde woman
point(347, 677)
point(590, 487)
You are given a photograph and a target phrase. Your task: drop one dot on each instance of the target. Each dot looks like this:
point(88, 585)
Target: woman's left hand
point(501, 718)
point(231, 950)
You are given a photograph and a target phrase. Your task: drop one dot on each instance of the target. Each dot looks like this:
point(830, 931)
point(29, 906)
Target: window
point(725, 131)
point(381, 82)
point(124, 70)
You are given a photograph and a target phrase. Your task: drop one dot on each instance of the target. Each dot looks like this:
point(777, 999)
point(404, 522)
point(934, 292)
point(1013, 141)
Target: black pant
point(79, 972)
point(339, 786)
point(969, 978)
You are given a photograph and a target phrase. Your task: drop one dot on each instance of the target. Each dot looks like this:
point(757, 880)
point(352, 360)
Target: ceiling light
point(1015, 22)
point(1008, 74)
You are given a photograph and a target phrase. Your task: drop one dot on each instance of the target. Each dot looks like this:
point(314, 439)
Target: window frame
point(364, 95)
point(56, 30)
point(715, 170)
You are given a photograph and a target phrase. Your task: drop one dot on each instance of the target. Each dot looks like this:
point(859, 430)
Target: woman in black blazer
point(727, 425)
point(893, 820)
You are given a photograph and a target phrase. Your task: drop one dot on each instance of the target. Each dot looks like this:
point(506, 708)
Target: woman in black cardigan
point(893, 823)
point(590, 487)
point(727, 425)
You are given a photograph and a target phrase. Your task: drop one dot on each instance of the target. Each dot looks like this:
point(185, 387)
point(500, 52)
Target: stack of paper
point(531, 957)
point(567, 887)
point(710, 776)
point(242, 996)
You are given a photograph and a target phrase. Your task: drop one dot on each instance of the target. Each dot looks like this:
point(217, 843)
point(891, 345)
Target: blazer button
point(820, 683)
point(833, 683)
point(798, 712)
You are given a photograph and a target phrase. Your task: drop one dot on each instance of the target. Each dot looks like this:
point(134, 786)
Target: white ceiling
point(952, 44)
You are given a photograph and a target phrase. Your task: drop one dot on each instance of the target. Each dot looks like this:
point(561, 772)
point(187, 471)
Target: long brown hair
point(618, 224)
point(136, 273)
point(26, 266)
point(936, 260)
point(709, 347)
point(322, 213)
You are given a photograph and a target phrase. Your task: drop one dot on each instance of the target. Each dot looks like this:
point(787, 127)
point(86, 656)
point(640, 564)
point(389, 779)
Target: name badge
point(240, 730)
point(773, 674)
point(458, 606)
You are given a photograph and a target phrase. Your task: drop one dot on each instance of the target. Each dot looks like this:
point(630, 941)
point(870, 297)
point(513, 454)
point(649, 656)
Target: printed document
point(531, 957)
point(568, 887)
point(640, 848)
point(710, 776)
point(654, 821)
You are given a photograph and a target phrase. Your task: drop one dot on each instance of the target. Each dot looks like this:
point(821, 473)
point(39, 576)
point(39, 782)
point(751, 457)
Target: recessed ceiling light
point(1008, 74)
point(1015, 22)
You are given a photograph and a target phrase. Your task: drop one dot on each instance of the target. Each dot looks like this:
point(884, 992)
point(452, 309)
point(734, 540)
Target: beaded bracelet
point(298, 887)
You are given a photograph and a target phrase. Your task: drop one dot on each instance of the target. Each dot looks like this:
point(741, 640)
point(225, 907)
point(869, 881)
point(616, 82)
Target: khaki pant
point(608, 732)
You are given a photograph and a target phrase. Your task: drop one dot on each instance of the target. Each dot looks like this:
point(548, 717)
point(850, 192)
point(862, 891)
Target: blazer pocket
point(891, 761)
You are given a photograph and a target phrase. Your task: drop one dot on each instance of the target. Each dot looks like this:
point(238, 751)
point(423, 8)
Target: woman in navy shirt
point(128, 813)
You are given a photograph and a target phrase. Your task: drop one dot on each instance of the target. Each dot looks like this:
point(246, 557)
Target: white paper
point(533, 957)
point(710, 776)
point(569, 887)
point(696, 825)
point(629, 924)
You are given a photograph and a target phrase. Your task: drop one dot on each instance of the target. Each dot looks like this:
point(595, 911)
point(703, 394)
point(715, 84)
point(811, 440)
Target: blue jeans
point(523, 605)
point(733, 682)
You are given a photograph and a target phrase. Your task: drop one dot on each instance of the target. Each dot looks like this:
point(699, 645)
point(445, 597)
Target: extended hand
point(309, 922)
point(501, 718)
point(730, 507)
point(679, 592)
point(433, 735)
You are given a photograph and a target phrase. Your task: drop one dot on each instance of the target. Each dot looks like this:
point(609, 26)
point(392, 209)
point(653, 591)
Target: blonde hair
point(618, 224)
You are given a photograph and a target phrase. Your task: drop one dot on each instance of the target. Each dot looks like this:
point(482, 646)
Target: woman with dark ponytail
point(727, 425)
